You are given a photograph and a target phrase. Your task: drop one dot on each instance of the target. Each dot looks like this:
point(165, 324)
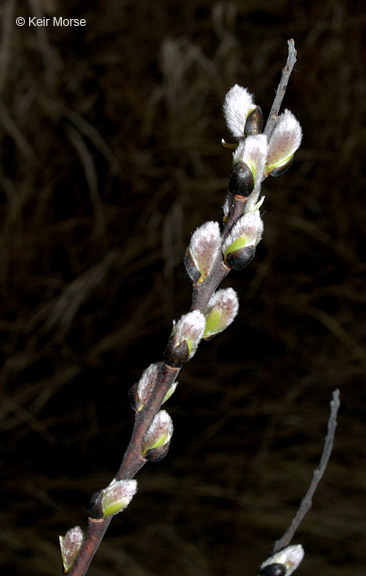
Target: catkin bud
point(117, 496)
point(237, 105)
point(156, 441)
point(202, 251)
point(186, 335)
point(239, 247)
point(284, 562)
point(70, 545)
point(221, 310)
point(141, 391)
point(284, 141)
point(253, 152)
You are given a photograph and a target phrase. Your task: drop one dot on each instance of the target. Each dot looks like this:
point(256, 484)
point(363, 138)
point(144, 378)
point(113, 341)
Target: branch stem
point(236, 211)
point(281, 89)
point(93, 537)
point(202, 293)
point(132, 462)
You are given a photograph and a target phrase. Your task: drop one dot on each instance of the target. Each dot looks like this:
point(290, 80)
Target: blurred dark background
point(110, 157)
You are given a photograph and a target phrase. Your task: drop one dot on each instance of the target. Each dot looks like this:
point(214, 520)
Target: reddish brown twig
point(132, 462)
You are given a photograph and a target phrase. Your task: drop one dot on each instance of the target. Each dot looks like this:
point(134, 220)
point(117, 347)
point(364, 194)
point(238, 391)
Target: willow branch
point(132, 462)
point(177, 353)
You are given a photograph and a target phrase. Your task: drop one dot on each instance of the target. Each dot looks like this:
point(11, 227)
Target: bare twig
point(306, 502)
point(281, 89)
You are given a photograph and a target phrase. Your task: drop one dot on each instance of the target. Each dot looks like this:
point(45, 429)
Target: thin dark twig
point(281, 89)
point(306, 502)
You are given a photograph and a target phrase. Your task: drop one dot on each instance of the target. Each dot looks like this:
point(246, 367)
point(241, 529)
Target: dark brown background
point(110, 156)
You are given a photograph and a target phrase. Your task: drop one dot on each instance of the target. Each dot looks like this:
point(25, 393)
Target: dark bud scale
point(282, 169)
point(95, 509)
point(241, 180)
point(239, 259)
point(254, 122)
point(189, 267)
point(275, 569)
point(133, 397)
point(176, 356)
point(157, 454)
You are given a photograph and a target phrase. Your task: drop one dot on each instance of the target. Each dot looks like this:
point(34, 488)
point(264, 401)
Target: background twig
point(306, 502)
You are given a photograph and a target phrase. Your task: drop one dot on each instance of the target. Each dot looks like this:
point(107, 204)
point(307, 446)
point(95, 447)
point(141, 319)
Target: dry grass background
point(110, 156)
